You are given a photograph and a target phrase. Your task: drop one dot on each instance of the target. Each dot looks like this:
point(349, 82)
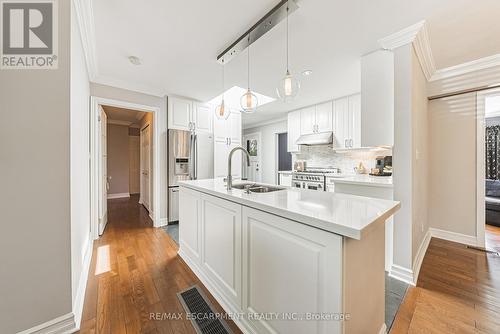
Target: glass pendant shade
point(248, 102)
point(288, 87)
point(222, 111)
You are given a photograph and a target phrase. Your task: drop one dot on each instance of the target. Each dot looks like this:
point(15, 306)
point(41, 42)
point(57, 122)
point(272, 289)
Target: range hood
point(322, 138)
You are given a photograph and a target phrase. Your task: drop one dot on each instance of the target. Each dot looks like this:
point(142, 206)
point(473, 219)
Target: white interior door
point(134, 165)
point(103, 168)
point(145, 166)
point(252, 142)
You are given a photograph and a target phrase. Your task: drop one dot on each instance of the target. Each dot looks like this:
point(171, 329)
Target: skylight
point(232, 98)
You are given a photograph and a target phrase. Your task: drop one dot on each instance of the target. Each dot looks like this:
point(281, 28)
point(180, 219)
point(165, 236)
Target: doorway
point(488, 176)
point(252, 142)
point(116, 175)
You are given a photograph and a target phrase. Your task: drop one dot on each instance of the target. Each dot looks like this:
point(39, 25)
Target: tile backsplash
point(324, 156)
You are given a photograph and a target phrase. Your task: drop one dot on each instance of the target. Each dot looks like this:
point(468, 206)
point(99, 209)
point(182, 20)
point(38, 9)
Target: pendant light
point(248, 101)
point(222, 111)
point(289, 85)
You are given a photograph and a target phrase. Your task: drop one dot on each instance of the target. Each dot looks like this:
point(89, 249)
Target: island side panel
point(364, 281)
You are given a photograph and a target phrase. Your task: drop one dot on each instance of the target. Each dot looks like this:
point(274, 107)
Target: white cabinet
point(221, 245)
point(203, 117)
point(347, 122)
point(180, 113)
point(285, 179)
point(293, 130)
point(227, 135)
point(187, 115)
point(318, 118)
point(289, 267)
point(307, 120)
point(324, 117)
point(189, 230)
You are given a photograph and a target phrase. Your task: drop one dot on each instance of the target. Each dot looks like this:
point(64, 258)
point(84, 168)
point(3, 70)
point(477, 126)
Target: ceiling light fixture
point(307, 73)
point(222, 111)
point(248, 101)
point(134, 60)
point(289, 85)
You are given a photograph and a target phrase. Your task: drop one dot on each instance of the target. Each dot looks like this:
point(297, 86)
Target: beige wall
point(420, 155)
point(118, 159)
point(35, 250)
point(452, 195)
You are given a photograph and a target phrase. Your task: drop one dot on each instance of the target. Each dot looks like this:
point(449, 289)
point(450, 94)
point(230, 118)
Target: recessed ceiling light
point(134, 60)
point(307, 73)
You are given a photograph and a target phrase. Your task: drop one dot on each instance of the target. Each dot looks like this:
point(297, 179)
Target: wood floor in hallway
point(458, 291)
point(135, 271)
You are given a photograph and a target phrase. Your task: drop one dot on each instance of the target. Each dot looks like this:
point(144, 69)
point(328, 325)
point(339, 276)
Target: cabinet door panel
point(237, 160)
point(189, 223)
point(235, 125)
point(179, 113)
point(220, 158)
point(293, 130)
point(290, 268)
point(341, 131)
point(221, 244)
point(307, 120)
point(324, 117)
point(203, 117)
point(355, 119)
point(222, 128)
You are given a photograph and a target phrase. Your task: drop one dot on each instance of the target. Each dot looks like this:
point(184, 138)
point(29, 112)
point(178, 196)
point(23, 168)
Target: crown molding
point(422, 46)
point(402, 37)
point(85, 17)
point(468, 67)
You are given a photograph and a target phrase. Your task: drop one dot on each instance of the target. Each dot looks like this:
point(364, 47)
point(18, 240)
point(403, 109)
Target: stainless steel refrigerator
point(190, 157)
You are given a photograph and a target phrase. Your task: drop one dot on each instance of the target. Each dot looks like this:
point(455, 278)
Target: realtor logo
point(29, 34)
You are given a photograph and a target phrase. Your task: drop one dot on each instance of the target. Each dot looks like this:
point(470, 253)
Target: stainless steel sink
point(257, 188)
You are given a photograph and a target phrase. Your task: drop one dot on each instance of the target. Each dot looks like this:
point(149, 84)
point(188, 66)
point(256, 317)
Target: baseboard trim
point(401, 273)
point(453, 236)
point(82, 285)
point(162, 222)
point(60, 325)
point(118, 195)
point(419, 257)
point(383, 329)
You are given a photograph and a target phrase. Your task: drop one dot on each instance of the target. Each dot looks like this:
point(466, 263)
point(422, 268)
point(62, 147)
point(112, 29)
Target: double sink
point(256, 187)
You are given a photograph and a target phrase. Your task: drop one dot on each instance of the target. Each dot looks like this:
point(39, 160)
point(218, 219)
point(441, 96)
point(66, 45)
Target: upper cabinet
point(227, 135)
point(185, 114)
point(347, 122)
point(318, 118)
point(377, 94)
point(293, 130)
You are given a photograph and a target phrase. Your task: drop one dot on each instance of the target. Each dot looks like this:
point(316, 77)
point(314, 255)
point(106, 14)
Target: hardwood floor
point(135, 271)
point(458, 291)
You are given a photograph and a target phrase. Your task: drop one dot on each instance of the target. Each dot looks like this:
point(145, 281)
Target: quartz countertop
point(347, 215)
point(367, 180)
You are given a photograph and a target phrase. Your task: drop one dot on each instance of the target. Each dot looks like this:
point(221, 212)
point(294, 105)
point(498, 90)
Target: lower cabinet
point(256, 263)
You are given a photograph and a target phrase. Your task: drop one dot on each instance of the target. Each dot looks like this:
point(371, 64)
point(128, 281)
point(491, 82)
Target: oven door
point(315, 186)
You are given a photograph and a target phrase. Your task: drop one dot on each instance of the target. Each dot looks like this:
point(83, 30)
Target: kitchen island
point(288, 261)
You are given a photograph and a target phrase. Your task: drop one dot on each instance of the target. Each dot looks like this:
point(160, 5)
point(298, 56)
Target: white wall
point(35, 241)
point(150, 100)
point(80, 169)
point(268, 148)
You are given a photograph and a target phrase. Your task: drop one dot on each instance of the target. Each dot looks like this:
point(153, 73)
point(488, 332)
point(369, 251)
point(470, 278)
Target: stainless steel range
point(312, 178)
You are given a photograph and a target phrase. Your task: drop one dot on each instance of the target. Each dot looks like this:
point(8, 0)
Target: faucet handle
point(247, 188)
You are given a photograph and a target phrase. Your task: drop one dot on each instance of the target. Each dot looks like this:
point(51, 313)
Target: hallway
point(458, 291)
point(135, 271)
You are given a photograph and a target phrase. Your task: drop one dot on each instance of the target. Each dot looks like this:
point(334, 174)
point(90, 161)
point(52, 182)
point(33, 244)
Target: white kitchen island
point(290, 261)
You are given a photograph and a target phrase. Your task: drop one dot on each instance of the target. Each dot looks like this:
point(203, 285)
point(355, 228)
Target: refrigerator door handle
point(191, 174)
point(195, 153)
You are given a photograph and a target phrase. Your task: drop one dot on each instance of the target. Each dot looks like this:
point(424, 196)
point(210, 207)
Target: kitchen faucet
point(229, 176)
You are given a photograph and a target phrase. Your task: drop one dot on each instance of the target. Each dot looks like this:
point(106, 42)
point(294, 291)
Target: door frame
point(480, 163)
point(141, 163)
point(95, 141)
point(277, 155)
point(259, 150)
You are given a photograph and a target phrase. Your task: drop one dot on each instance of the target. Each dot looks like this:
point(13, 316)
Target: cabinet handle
point(345, 143)
point(352, 142)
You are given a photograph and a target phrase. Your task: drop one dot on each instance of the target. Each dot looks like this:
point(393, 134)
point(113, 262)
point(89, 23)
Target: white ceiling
point(123, 115)
point(178, 42)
